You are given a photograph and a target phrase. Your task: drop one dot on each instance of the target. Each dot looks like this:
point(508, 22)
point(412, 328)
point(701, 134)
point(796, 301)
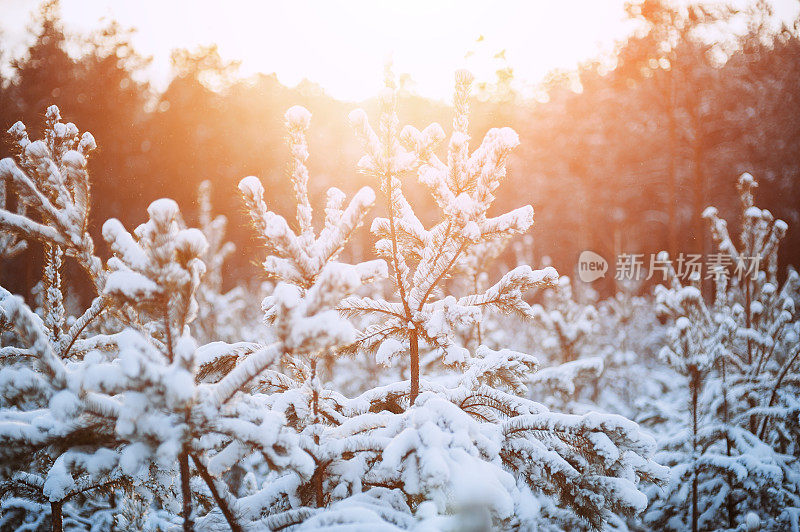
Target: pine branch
point(245, 372)
point(98, 305)
point(219, 491)
point(26, 228)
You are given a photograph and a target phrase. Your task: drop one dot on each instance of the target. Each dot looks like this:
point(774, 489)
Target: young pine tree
point(85, 415)
point(441, 450)
point(734, 460)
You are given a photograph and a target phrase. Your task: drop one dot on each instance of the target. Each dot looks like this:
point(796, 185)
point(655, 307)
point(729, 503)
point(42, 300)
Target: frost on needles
point(143, 412)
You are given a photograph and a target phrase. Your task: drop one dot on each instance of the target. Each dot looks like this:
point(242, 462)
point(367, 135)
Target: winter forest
point(569, 303)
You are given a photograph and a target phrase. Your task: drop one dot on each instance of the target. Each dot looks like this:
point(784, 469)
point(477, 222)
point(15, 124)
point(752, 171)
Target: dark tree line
point(630, 162)
point(626, 164)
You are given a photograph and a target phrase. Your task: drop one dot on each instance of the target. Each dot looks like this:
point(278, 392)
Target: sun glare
point(344, 45)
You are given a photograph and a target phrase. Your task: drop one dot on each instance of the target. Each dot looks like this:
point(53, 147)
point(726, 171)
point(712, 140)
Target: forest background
point(620, 155)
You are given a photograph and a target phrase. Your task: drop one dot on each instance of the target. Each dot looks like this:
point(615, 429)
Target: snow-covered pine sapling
point(227, 316)
point(82, 412)
point(54, 436)
point(213, 228)
point(304, 263)
point(310, 284)
point(51, 181)
point(567, 323)
point(167, 415)
point(157, 271)
point(299, 258)
point(767, 343)
point(628, 339)
point(209, 294)
point(694, 343)
point(440, 426)
point(51, 185)
point(104, 405)
point(739, 355)
point(51, 188)
point(562, 331)
point(11, 244)
point(761, 381)
point(422, 259)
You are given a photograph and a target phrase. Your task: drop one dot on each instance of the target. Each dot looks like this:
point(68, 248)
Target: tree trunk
point(414, 345)
point(319, 471)
point(55, 513)
point(227, 512)
point(729, 499)
point(186, 492)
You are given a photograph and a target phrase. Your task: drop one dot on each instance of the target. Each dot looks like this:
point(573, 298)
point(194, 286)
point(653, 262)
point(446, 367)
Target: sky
point(343, 45)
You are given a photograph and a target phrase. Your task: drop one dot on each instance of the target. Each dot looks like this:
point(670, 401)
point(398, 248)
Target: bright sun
point(343, 45)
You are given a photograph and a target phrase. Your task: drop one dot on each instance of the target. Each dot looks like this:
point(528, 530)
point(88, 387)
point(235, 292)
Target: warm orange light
point(343, 45)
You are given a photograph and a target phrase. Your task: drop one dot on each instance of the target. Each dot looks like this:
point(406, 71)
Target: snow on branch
point(49, 177)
